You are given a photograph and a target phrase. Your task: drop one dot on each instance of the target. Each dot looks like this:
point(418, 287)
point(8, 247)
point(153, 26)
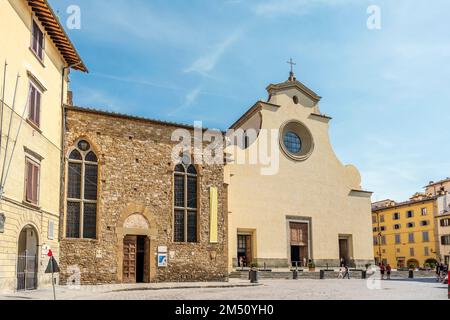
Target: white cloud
point(189, 99)
point(208, 62)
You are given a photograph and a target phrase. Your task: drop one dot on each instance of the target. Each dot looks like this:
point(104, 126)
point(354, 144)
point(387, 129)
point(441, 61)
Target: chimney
point(69, 98)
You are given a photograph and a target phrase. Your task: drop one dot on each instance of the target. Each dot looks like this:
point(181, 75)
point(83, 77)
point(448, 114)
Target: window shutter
point(32, 102)
point(29, 183)
point(35, 183)
point(37, 111)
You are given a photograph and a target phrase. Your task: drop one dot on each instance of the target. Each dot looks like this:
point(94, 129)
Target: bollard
point(322, 274)
point(411, 274)
point(253, 276)
point(363, 274)
point(295, 275)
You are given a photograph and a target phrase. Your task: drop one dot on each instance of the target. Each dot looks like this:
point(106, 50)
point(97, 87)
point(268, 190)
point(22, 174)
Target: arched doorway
point(431, 263)
point(412, 263)
point(27, 259)
point(136, 245)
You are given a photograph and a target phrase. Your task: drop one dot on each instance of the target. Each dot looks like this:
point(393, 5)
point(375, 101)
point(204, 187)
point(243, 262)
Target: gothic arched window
point(185, 203)
point(82, 181)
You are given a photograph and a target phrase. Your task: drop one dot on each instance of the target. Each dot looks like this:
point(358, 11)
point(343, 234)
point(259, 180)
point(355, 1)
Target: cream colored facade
point(443, 227)
point(312, 190)
point(41, 144)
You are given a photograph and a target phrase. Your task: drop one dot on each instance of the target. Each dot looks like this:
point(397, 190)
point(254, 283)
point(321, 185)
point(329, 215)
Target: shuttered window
point(185, 203)
point(82, 184)
point(34, 105)
point(32, 182)
point(37, 41)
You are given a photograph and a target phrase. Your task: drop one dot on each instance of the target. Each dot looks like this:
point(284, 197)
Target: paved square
point(399, 289)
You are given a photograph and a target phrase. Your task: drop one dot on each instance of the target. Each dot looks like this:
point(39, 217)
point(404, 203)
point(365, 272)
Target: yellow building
point(404, 233)
point(35, 47)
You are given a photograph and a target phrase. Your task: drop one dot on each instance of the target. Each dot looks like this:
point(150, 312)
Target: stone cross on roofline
point(291, 74)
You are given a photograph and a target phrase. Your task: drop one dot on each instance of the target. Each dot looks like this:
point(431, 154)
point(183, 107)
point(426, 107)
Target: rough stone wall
point(135, 168)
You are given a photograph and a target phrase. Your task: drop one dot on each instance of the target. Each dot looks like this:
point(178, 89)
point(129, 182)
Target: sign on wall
point(2, 222)
point(162, 260)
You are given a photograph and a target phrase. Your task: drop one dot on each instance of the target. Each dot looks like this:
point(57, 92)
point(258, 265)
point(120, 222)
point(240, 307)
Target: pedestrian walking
point(341, 273)
point(347, 273)
point(438, 271)
point(382, 270)
point(388, 271)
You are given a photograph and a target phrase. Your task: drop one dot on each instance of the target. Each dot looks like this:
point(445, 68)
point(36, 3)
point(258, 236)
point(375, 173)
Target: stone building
point(132, 214)
point(35, 46)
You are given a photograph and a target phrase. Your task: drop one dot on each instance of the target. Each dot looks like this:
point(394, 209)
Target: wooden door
point(129, 259)
point(344, 250)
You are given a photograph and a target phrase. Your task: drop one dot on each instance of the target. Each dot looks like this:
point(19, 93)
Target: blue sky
point(387, 90)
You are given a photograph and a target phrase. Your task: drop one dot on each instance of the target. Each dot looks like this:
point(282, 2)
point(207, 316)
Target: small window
point(383, 240)
point(397, 226)
point(381, 218)
point(34, 107)
point(398, 239)
point(396, 216)
point(375, 240)
point(37, 41)
point(383, 228)
point(445, 240)
point(409, 214)
point(375, 229)
point(410, 225)
point(32, 182)
point(445, 222)
point(411, 252)
point(426, 251)
point(425, 236)
point(411, 238)
point(295, 99)
point(374, 219)
point(424, 223)
point(424, 211)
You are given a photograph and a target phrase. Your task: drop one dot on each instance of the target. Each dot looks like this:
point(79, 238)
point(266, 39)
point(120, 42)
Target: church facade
point(131, 213)
point(311, 209)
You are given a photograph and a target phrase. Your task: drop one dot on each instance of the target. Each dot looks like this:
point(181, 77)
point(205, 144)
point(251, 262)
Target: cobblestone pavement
point(417, 289)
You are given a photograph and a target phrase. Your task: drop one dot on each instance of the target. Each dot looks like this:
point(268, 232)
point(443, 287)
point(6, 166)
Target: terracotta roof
point(432, 183)
point(402, 204)
point(56, 32)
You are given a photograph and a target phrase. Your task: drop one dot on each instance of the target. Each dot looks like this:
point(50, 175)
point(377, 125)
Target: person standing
point(382, 270)
point(388, 271)
point(438, 271)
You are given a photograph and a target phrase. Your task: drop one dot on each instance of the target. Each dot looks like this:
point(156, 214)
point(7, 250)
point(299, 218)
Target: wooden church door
point(129, 259)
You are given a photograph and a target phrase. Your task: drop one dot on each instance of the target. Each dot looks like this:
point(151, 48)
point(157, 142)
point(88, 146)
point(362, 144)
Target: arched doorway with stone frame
point(136, 244)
